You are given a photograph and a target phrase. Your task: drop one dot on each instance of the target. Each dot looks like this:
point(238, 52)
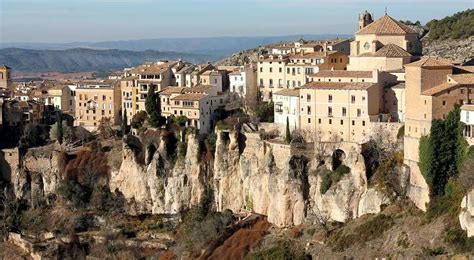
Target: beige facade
point(385, 44)
point(97, 101)
point(432, 90)
point(5, 77)
point(58, 97)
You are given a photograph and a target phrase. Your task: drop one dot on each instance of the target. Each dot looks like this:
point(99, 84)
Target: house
point(5, 77)
point(243, 81)
point(467, 117)
point(287, 108)
point(20, 113)
point(96, 101)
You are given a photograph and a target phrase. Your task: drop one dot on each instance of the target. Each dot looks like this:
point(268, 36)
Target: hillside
point(81, 59)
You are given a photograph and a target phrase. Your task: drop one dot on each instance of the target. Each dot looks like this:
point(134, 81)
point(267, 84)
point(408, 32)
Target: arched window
point(366, 46)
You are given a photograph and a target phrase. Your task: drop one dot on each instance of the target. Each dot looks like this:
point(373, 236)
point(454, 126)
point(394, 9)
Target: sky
point(58, 21)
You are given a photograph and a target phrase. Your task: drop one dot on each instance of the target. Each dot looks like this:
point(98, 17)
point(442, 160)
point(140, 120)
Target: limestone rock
point(466, 217)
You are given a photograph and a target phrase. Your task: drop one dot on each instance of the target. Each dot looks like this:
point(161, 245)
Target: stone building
point(433, 87)
point(5, 77)
point(287, 107)
point(18, 113)
point(96, 101)
point(385, 44)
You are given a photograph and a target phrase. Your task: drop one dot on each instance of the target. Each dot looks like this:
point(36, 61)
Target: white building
point(244, 81)
point(287, 107)
point(467, 117)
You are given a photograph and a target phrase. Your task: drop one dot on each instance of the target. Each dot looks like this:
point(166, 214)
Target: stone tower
point(365, 19)
point(5, 77)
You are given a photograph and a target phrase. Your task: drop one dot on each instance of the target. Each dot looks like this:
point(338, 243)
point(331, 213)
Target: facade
point(432, 90)
point(275, 72)
point(340, 111)
point(198, 104)
point(394, 101)
point(467, 117)
point(20, 113)
point(287, 107)
point(96, 101)
point(58, 97)
point(243, 81)
point(5, 77)
point(385, 44)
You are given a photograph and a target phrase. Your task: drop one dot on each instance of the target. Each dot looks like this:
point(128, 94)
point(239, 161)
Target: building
point(96, 101)
point(467, 117)
point(287, 107)
point(289, 71)
point(340, 111)
point(198, 104)
point(243, 81)
point(433, 87)
point(218, 78)
point(18, 113)
point(385, 44)
point(5, 77)
point(394, 101)
point(58, 97)
point(341, 45)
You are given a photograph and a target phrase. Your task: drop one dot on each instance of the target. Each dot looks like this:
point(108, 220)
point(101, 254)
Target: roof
point(295, 92)
point(199, 89)
point(389, 50)
point(190, 96)
point(172, 90)
point(386, 25)
point(468, 107)
point(339, 85)
point(316, 54)
point(428, 61)
point(130, 78)
point(464, 79)
point(5, 67)
point(343, 74)
point(398, 85)
point(146, 69)
point(439, 88)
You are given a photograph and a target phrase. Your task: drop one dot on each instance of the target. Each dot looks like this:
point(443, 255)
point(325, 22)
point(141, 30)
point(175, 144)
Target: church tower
point(365, 19)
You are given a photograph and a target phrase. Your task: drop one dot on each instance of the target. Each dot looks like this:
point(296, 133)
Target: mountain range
point(108, 55)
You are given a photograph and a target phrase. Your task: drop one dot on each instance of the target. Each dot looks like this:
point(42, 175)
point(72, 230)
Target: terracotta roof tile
point(295, 92)
point(386, 25)
point(343, 74)
point(389, 50)
point(464, 79)
point(338, 85)
point(428, 61)
point(439, 88)
point(190, 96)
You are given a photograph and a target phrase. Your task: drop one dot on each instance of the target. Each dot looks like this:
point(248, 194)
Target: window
point(353, 122)
point(261, 69)
point(261, 82)
point(366, 46)
point(363, 123)
point(309, 120)
point(330, 98)
point(280, 70)
point(288, 70)
point(344, 111)
point(329, 111)
point(308, 97)
point(444, 102)
point(270, 82)
point(342, 122)
point(353, 99)
point(330, 121)
point(319, 120)
point(358, 112)
point(309, 110)
point(271, 69)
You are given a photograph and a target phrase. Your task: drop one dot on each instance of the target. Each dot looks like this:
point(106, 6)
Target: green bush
point(280, 252)
point(326, 183)
point(457, 26)
point(180, 120)
point(458, 239)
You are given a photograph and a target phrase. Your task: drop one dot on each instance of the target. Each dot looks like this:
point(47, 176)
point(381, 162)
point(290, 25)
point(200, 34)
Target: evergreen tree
point(151, 106)
point(60, 128)
point(288, 134)
point(124, 122)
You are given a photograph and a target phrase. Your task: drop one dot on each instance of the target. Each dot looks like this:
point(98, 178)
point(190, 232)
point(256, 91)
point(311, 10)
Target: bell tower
point(365, 19)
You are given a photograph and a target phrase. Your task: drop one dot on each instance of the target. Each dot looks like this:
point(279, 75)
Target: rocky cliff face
point(247, 173)
point(466, 217)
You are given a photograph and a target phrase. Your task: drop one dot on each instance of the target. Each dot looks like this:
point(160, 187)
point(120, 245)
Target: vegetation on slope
point(457, 26)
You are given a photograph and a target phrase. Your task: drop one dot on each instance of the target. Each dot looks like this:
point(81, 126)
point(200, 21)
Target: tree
point(153, 108)
point(124, 122)
point(60, 129)
point(35, 135)
point(105, 127)
point(288, 134)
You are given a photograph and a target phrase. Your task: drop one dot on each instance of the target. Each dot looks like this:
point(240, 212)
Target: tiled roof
point(439, 88)
point(190, 96)
point(389, 50)
point(343, 74)
point(464, 79)
point(199, 89)
point(172, 90)
point(4, 67)
point(316, 54)
point(469, 107)
point(386, 25)
point(428, 61)
point(295, 92)
point(338, 85)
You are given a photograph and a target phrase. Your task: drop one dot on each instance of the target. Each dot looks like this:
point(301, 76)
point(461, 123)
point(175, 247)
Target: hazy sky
point(98, 20)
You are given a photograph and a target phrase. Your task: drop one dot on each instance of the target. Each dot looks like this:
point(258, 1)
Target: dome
point(366, 16)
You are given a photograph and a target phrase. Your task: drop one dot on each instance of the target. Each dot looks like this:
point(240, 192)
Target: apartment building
point(95, 101)
point(290, 71)
point(58, 97)
point(243, 81)
point(433, 87)
point(20, 113)
point(385, 44)
point(287, 107)
point(5, 77)
point(467, 117)
point(198, 104)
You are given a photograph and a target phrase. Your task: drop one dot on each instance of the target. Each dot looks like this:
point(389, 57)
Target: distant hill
point(457, 26)
point(81, 59)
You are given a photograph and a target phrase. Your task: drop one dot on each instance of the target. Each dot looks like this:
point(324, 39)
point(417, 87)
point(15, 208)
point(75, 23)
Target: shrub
point(325, 183)
point(427, 251)
point(75, 193)
point(35, 134)
point(182, 148)
point(139, 119)
point(280, 252)
point(180, 120)
point(83, 223)
point(333, 177)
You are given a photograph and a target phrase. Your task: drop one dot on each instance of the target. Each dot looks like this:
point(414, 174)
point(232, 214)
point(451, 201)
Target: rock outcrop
point(466, 217)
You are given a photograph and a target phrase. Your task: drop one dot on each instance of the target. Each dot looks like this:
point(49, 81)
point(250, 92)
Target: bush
point(83, 223)
point(182, 148)
point(325, 183)
point(459, 240)
point(280, 252)
point(75, 193)
point(180, 120)
point(457, 26)
point(35, 134)
point(138, 119)
point(333, 177)
point(427, 251)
